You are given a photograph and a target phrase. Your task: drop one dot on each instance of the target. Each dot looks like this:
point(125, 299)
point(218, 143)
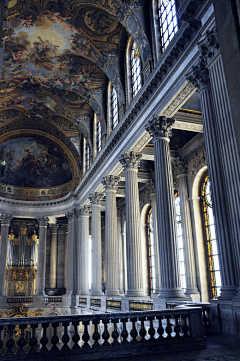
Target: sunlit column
point(41, 263)
point(84, 250)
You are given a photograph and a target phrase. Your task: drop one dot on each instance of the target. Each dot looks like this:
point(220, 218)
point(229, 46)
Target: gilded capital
point(199, 76)
point(85, 210)
point(160, 126)
point(131, 160)
point(43, 221)
point(110, 182)
point(95, 198)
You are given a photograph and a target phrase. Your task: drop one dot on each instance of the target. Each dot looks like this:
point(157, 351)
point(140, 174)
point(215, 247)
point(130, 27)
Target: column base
point(96, 293)
point(228, 292)
point(168, 293)
point(112, 293)
point(193, 293)
point(40, 293)
point(136, 293)
point(83, 293)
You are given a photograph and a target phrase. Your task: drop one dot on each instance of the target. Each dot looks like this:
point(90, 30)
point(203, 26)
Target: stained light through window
point(180, 242)
point(151, 256)
point(114, 108)
point(168, 21)
point(212, 248)
point(135, 70)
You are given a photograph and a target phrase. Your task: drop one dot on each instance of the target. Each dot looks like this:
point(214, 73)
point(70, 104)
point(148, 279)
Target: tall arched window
point(168, 21)
point(114, 108)
point(98, 135)
point(135, 70)
point(151, 256)
point(211, 241)
point(180, 242)
point(87, 156)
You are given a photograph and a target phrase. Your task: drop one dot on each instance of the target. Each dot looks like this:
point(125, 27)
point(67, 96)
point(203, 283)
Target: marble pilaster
point(160, 128)
point(84, 250)
point(131, 161)
point(95, 199)
point(110, 183)
point(41, 257)
point(5, 222)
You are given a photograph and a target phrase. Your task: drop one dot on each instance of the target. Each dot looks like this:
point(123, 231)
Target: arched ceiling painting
point(59, 57)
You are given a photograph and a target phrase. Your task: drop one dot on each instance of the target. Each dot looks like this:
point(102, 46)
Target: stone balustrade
point(101, 336)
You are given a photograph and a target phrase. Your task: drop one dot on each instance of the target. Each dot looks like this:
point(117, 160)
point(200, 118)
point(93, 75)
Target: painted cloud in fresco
point(33, 162)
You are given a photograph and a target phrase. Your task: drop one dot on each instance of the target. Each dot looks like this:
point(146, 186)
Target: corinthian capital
point(160, 126)
point(70, 216)
point(131, 160)
point(85, 210)
point(111, 181)
point(43, 221)
point(209, 46)
point(95, 198)
point(5, 219)
point(199, 76)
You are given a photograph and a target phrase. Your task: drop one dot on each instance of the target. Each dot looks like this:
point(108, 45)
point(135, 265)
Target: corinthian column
point(5, 221)
point(95, 199)
point(84, 250)
point(41, 263)
point(187, 235)
point(131, 162)
point(53, 259)
point(199, 76)
point(69, 253)
point(111, 240)
point(160, 128)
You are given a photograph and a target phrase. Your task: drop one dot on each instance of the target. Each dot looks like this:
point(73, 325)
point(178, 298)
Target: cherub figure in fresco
point(79, 45)
point(26, 22)
point(18, 57)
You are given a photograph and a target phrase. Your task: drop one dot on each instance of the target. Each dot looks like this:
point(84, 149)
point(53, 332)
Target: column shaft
point(84, 251)
point(4, 250)
point(41, 264)
point(53, 258)
point(156, 244)
point(69, 252)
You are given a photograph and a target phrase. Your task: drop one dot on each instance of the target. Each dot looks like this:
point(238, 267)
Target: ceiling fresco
point(59, 56)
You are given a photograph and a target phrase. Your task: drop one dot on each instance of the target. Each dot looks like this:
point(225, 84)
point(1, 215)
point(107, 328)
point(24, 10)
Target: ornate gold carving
point(11, 236)
point(23, 230)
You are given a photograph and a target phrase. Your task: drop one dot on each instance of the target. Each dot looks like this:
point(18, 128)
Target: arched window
point(168, 21)
point(87, 156)
point(180, 242)
point(98, 135)
point(211, 241)
point(114, 108)
point(151, 256)
point(135, 70)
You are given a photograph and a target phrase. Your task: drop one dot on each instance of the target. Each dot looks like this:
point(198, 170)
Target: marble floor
point(219, 348)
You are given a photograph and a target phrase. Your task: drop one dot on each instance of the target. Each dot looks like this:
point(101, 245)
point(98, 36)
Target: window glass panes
point(151, 256)
point(168, 21)
point(87, 156)
point(114, 108)
point(98, 135)
point(135, 70)
point(180, 242)
point(211, 241)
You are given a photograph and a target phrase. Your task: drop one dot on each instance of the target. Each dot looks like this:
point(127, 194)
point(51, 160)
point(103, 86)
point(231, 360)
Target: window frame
point(135, 69)
point(165, 22)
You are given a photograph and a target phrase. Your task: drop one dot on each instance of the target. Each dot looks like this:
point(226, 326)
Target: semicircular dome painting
point(34, 162)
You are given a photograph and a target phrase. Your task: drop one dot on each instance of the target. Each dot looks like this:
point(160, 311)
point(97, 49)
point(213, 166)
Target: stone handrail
point(101, 336)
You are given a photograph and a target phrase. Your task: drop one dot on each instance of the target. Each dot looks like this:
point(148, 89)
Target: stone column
point(76, 252)
point(95, 199)
point(120, 242)
point(152, 192)
point(53, 259)
point(187, 233)
point(84, 250)
point(5, 222)
point(65, 228)
point(131, 161)
point(160, 128)
point(199, 76)
point(111, 238)
point(69, 253)
point(41, 257)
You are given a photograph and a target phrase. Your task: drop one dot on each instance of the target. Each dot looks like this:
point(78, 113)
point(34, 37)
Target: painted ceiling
point(59, 56)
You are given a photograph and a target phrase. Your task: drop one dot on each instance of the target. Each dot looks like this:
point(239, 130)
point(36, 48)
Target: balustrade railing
point(102, 336)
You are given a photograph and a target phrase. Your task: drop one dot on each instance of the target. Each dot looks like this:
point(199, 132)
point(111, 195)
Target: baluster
point(133, 332)
point(115, 334)
point(21, 342)
point(105, 334)
point(124, 333)
point(168, 328)
point(33, 339)
point(65, 338)
point(185, 327)
point(86, 336)
point(143, 331)
point(76, 336)
point(96, 334)
point(160, 329)
point(177, 327)
point(1, 341)
point(151, 330)
point(55, 338)
point(44, 339)
point(10, 342)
